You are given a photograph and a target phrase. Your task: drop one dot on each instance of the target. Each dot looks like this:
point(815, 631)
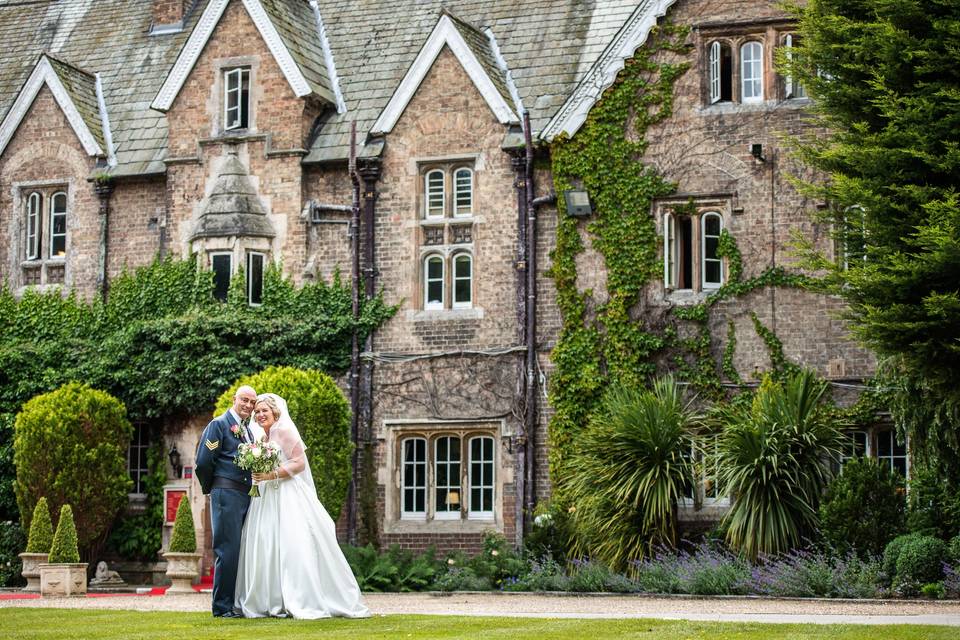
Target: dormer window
point(236, 102)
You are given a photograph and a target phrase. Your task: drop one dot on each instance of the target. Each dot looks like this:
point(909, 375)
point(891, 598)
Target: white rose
point(256, 452)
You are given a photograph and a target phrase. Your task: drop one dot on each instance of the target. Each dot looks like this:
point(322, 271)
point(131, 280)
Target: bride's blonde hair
point(270, 402)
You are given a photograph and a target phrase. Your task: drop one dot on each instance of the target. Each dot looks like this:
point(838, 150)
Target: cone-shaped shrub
point(184, 537)
point(41, 529)
point(64, 547)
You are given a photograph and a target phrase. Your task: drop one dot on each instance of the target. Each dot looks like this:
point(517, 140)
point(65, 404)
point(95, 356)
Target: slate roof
point(479, 43)
point(548, 46)
point(82, 88)
point(233, 207)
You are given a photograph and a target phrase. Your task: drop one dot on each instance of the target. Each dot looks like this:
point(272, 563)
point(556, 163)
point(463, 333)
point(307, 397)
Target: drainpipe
point(530, 416)
point(519, 165)
point(355, 342)
point(104, 188)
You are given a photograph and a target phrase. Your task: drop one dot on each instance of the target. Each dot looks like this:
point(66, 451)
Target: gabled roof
point(472, 49)
point(571, 116)
point(74, 90)
point(289, 29)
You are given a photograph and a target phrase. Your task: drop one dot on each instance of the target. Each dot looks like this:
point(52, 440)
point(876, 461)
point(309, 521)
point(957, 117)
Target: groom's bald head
point(243, 401)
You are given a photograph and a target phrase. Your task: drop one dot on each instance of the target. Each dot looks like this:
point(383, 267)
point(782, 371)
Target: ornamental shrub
point(70, 445)
point(920, 562)
point(933, 507)
point(64, 548)
point(892, 553)
point(322, 416)
point(863, 508)
point(954, 549)
point(184, 536)
point(12, 540)
point(41, 529)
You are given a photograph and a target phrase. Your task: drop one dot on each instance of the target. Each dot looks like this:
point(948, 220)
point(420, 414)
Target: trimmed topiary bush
point(892, 553)
point(322, 415)
point(41, 529)
point(70, 445)
point(920, 562)
point(64, 548)
point(863, 509)
point(184, 536)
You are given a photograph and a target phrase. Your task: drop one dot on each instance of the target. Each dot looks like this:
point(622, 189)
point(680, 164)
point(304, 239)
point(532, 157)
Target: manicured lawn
point(130, 625)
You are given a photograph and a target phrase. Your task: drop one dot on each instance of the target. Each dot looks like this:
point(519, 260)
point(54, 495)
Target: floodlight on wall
point(756, 150)
point(578, 203)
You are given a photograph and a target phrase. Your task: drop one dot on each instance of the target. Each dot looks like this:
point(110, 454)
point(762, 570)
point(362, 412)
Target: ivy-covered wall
point(654, 145)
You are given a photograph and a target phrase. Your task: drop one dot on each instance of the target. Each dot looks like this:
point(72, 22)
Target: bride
point(290, 562)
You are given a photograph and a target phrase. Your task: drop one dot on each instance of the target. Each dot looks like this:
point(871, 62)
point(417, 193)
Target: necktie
point(246, 430)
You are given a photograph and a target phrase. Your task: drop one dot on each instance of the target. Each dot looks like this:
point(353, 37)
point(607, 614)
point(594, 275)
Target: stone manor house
point(224, 129)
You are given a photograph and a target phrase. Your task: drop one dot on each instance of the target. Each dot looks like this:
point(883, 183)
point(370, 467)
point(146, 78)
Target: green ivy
point(600, 342)
point(139, 537)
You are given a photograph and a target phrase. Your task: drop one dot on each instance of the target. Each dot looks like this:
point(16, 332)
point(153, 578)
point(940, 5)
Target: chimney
point(170, 13)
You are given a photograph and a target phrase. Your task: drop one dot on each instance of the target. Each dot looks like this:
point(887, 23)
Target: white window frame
point(229, 256)
point(233, 84)
point(889, 460)
point(54, 214)
point(849, 450)
point(703, 217)
point(792, 90)
point(406, 514)
point(846, 239)
point(263, 265)
point(714, 75)
point(458, 193)
point(452, 514)
point(459, 257)
point(427, 280)
point(434, 202)
point(669, 251)
point(139, 442)
point(34, 222)
point(485, 483)
point(756, 65)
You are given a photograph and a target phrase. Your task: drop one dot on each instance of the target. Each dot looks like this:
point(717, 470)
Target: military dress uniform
point(228, 486)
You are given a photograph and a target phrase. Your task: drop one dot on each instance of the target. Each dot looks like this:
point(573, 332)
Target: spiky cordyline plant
point(632, 468)
point(775, 459)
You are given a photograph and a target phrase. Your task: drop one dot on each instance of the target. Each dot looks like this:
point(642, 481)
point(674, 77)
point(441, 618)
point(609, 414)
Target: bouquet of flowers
point(257, 457)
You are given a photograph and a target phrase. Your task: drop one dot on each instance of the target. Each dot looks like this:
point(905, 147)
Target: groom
point(227, 485)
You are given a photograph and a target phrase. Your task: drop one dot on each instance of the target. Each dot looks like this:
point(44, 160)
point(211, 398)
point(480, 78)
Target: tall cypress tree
point(885, 82)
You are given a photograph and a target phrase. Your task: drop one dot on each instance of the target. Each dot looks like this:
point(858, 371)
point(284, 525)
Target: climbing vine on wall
point(604, 341)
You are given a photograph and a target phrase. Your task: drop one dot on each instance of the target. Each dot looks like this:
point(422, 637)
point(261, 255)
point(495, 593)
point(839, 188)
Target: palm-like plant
point(632, 468)
point(775, 459)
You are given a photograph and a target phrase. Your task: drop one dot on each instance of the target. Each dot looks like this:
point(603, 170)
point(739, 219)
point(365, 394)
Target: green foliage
point(395, 570)
point(933, 503)
point(140, 537)
point(600, 158)
point(322, 415)
point(8, 473)
point(70, 446)
point(934, 591)
point(632, 468)
point(12, 541)
point(41, 529)
point(64, 548)
point(497, 562)
point(892, 553)
point(884, 82)
point(920, 561)
point(774, 460)
point(550, 532)
point(954, 549)
point(863, 508)
point(184, 536)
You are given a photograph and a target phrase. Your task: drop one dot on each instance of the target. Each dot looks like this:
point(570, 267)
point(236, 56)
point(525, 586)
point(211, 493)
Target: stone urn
point(63, 579)
point(31, 570)
point(182, 569)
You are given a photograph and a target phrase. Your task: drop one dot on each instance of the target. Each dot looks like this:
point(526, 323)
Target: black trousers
point(228, 508)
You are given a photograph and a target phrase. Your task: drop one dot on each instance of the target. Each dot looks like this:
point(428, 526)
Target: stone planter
point(182, 569)
point(31, 570)
point(63, 579)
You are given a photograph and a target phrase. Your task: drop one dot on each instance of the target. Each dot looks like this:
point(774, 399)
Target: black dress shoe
point(228, 614)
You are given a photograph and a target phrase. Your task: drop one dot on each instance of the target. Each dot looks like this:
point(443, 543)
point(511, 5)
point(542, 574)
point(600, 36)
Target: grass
point(62, 624)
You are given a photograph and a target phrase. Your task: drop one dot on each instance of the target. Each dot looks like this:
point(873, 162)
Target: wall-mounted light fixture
point(175, 461)
point(578, 203)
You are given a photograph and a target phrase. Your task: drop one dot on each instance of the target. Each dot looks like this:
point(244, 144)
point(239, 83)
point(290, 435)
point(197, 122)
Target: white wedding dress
point(290, 562)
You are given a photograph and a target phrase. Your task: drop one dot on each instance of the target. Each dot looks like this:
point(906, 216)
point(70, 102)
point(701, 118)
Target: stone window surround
point(708, 204)
point(393, 431)
point(20, 191)
point(420, 167)
point(449, 255)
point(771, 35)
point(217, 106)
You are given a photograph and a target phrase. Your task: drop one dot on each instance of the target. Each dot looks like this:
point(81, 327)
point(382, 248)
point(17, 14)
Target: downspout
point(104, 188)
point(530, 416)
point(355, 342)
point(520, 184)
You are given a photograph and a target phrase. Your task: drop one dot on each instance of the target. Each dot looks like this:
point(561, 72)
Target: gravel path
point(579, 606)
